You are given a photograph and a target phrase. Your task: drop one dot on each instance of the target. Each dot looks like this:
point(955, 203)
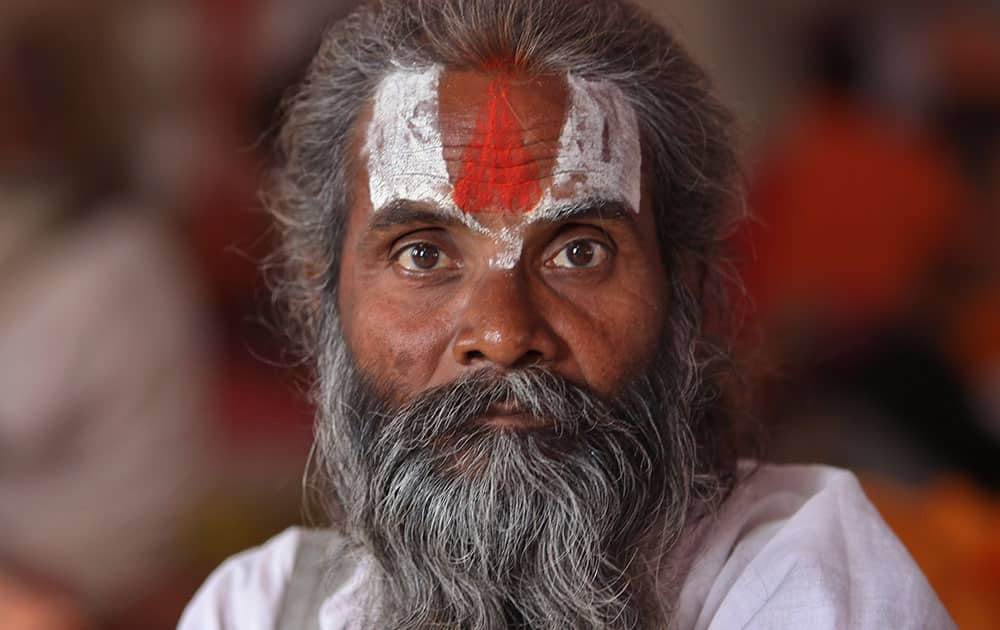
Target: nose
point(502, 326)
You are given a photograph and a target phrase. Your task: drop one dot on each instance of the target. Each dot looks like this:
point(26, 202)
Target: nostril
point(531, 357)
point(474, 355)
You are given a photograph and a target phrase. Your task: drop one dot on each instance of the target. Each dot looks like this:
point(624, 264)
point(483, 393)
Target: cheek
point(615, 331)
point(397, 342)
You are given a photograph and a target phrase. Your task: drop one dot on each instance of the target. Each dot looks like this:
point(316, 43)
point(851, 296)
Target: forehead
point(499, 141)
point(501, 110)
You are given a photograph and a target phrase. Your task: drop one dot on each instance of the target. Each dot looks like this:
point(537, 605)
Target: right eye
point(422, 257)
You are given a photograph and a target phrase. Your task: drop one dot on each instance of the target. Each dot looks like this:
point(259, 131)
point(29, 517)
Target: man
point(501, 223)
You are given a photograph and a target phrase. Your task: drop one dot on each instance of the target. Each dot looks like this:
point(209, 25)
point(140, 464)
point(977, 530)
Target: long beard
point(478, 527)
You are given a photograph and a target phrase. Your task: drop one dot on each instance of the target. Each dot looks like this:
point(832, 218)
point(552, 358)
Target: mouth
point(510, 416)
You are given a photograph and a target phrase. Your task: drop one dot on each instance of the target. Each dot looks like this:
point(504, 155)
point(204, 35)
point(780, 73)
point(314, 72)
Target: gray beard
point(477, 527)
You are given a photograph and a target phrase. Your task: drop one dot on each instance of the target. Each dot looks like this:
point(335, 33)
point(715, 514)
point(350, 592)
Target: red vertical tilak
point(498, 172)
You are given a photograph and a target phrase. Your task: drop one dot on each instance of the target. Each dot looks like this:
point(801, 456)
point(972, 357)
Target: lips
point(511, 416)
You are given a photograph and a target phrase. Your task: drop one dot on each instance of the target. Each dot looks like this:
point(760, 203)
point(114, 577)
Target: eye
point(422, 257)
point(580, 254)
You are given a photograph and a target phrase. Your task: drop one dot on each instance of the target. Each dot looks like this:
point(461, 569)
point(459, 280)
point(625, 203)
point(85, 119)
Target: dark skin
point(421, 304)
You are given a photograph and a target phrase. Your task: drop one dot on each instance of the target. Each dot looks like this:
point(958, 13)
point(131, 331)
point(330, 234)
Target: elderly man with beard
point(502, 221)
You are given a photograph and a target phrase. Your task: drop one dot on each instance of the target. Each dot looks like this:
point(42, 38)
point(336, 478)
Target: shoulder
point(246, 591)
point(797, 545)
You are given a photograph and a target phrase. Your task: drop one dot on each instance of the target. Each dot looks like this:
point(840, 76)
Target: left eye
point(580, 254)
point(422, 257)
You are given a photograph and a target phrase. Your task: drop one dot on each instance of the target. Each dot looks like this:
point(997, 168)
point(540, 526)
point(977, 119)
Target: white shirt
point(793, 547)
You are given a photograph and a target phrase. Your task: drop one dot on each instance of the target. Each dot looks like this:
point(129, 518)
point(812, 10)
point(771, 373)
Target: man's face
point(509, 387)
point(498, 222)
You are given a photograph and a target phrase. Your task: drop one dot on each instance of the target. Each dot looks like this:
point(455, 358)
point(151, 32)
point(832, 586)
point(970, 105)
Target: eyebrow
point(406, 212)
point(594, 208)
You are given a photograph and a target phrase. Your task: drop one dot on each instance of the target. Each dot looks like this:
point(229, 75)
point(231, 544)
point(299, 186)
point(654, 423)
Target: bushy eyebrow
point(589, 209)
point(406, 213)
point(402, 212)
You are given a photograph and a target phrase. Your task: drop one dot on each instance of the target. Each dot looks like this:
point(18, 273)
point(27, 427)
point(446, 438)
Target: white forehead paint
point(512, 240)
point(599, 155)
point(404, 141)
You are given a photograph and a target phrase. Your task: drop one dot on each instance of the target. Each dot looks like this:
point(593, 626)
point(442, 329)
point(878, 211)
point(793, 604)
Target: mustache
point(568, 409)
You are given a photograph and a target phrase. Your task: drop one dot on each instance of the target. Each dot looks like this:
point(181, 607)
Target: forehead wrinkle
point(542, 152)
point(532, 143)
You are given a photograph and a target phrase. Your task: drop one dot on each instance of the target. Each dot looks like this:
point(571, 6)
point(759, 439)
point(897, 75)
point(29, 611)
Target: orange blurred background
point(151, 423)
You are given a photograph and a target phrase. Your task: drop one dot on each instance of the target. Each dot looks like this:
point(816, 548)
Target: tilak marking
point(599, 155)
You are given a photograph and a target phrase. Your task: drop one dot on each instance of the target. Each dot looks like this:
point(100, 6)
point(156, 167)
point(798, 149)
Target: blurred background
point(151, 423)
